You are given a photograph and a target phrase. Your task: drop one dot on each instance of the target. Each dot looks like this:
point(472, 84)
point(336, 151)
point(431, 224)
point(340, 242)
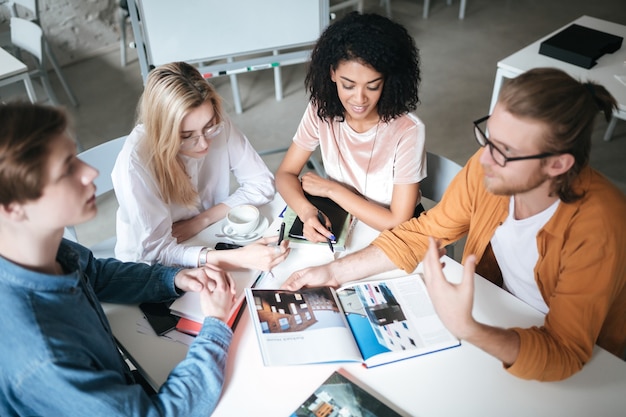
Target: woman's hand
point(313, 229)
point(313, 184)
point(261, 255)
point(184, 230)
point(216, 288)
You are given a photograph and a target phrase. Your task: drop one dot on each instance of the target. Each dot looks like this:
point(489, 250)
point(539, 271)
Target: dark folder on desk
point(580, 45)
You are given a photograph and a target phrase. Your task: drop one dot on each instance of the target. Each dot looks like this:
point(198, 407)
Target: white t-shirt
point(144, 220)
point(514, 245)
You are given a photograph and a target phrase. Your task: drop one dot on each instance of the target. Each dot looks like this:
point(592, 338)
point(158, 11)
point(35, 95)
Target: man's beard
point(499, 188)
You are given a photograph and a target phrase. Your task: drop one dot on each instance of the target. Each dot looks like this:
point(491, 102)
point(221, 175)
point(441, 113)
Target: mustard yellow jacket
point(581, 271)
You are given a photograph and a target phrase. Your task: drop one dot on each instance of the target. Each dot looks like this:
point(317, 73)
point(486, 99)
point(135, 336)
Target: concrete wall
point(76, 29)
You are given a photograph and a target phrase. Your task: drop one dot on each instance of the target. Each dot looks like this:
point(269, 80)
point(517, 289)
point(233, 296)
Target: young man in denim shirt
point(57, 354)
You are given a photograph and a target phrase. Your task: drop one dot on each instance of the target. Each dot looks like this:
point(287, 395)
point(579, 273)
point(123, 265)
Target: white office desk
point(462, 381)
point(12, 70)
point(604, 72)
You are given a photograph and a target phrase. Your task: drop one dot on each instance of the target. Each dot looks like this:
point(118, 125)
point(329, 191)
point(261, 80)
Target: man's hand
point(216, 288)
point(453, 302)
point(360, 264)
point(317, 276)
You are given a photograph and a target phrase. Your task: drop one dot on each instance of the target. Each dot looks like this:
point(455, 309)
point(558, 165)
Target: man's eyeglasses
point(497, 155)
point(208, 133)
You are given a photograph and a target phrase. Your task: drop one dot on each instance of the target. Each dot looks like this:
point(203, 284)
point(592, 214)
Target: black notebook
point(580, 45)
point(340, 220)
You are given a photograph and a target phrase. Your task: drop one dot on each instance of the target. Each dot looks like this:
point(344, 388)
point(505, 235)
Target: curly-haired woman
point(363, 82)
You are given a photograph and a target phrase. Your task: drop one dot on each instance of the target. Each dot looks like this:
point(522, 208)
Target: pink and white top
point(371, 162)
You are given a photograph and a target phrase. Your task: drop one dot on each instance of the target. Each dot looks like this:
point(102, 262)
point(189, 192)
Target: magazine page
point(393, 319)
point(300, 327)
point(342, 395)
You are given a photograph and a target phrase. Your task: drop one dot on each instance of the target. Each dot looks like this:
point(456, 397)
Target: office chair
point(344, 4)
point(449, 2)
point(124, 21)
point(441, 171)
point(15, 71)
point(27, 36)
point(32, 15)
point(101, 157)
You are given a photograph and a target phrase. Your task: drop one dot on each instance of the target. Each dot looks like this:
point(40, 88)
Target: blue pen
point(320, 217)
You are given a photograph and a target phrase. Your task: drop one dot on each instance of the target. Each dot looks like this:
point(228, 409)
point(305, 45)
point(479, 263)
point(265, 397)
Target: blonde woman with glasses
point(172, 178)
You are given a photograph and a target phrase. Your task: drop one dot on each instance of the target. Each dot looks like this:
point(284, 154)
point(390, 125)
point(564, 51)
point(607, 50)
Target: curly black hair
point(373, 40)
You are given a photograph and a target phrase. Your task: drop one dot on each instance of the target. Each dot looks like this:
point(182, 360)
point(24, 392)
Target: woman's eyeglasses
point(208, 133)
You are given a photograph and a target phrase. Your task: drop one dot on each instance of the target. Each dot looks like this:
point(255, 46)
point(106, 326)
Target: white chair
point(387, 5)
point(441, 171)
point(13, 70)
point(124, 21)
point(32, 15)
point(356, 4)
point(101, 157)
point(449, 2)
point(27, 36)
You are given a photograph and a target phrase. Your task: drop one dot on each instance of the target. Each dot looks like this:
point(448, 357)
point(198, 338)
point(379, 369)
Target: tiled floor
point(458, 67)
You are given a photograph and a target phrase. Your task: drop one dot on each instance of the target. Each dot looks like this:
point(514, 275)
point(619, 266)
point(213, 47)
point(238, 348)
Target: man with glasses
point(539, 221)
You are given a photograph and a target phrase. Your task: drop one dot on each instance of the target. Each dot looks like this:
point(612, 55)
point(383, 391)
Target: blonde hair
point(171, 91)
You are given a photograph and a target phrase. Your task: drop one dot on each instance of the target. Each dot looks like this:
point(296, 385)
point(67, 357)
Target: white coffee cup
point(243, 219)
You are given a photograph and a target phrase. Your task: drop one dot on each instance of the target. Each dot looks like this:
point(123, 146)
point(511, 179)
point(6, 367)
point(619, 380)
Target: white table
point(12, 70)
point(604, 72)
point(460, 381)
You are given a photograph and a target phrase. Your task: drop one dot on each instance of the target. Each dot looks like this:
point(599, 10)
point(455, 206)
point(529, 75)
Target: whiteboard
point(197, 30)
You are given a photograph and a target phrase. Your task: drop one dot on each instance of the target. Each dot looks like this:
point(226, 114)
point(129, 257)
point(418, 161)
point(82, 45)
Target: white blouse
point(144, 220)
point(371, 162)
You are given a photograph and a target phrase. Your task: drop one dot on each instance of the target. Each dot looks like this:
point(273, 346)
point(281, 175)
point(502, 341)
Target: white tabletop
point(604, 72)
point(9, 65)
point(459, 381)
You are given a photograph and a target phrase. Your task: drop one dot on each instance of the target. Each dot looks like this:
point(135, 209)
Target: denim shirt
point(58, 356)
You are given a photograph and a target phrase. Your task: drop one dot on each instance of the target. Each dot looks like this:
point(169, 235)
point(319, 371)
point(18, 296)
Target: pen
point(320, 217)
point(281, 234)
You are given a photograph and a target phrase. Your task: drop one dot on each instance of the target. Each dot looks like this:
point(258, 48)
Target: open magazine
point(374, 322)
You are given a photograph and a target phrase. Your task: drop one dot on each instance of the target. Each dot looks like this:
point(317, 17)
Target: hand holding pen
point(322, 218)
point(281, 237)
point(281, 234)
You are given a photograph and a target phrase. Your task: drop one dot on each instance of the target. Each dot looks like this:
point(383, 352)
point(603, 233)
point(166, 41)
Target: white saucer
point(254, 235)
